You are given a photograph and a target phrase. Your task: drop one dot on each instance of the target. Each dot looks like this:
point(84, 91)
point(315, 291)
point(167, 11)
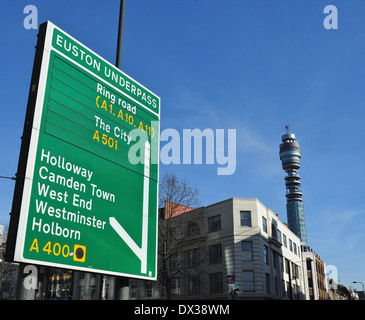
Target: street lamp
point(363, 287)
point(12, 178)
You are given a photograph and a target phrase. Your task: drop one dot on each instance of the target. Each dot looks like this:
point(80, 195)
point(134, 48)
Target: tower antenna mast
point(290, 160)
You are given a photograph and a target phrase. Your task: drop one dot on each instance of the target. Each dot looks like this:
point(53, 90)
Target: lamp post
point(363, 287)
point(11, 178)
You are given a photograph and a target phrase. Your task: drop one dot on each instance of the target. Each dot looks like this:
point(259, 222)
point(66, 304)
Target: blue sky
point(253, 66)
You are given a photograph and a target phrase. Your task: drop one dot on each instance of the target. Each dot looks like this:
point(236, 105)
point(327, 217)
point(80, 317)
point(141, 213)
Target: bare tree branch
point(178, 201)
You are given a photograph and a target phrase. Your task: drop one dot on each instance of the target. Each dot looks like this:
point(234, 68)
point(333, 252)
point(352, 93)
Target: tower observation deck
point(290, 160)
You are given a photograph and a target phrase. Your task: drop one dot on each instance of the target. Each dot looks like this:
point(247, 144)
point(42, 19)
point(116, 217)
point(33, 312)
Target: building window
point(215, 282)
point(215, 254)
point(194, 285)
point(283, 288)
point(133, 288)
point(290, 245)
point(246, 247)
point(295, 248)
point(281, 264)
point(295, 272)
point(266, 255)
point(148, 288)
point(193, 258)
point(273, 232)
point(284, 241)
point(245, 218)
point(276, 285)
point(275, 259)
point(287, 266)
point(268, 283)
point(298, 292)
point(295, 291)
point(193, 229)
point(309, 264)
point(264, 224)
point(174, 262)
point(279, 236)
point(214, 223)
point(175, 286)
point(248, 281)
point(92, 292)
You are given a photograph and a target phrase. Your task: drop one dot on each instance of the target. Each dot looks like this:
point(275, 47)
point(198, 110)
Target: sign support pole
point(120, 34)
point(124, 281)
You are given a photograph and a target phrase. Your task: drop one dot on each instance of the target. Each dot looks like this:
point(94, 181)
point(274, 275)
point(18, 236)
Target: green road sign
point(90, 188)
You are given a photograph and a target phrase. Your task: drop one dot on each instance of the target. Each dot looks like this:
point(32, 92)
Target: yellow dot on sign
point(134, 125)
point(113, 114)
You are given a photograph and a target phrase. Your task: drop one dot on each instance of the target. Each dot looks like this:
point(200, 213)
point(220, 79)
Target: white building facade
point(240, 250)
point(316, 284)
point(262, 256)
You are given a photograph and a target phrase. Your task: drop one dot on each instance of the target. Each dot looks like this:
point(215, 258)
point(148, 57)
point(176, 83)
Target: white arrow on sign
point(141, 253)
